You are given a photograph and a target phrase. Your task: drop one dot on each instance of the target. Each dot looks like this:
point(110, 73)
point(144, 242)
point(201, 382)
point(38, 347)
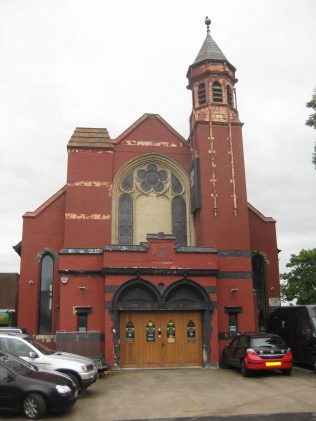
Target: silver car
point(80, 369)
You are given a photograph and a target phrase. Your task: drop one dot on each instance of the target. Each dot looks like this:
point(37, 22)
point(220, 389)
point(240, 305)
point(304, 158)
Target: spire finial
point(207, 23)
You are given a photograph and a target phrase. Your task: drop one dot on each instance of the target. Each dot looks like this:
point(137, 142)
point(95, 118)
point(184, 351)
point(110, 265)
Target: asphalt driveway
point(195, 394)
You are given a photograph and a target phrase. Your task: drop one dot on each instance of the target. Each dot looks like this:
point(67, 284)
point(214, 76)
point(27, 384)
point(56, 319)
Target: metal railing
point(88, 343)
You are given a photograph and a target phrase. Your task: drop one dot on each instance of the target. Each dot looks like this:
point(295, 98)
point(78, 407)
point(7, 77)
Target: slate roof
point(210, 51)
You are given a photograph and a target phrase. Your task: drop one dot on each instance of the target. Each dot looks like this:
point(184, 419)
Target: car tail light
point(288, 351)
point(251, 351)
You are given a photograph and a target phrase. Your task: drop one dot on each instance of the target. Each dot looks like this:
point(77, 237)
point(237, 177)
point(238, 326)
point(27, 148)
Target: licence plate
point(273, 363)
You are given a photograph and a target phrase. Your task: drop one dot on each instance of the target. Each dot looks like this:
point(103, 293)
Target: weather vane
point(207, 23)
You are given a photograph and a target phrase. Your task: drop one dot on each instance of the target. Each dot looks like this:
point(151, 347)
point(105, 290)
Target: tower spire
point(207, 23)
point(209, 50)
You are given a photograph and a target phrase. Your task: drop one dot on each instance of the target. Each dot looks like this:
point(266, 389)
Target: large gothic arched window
point(150, 198)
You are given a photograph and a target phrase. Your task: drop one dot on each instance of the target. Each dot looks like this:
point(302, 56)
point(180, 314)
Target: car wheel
point(75, 379)
point(34, 406)
point(287, 372)
point(243, 368)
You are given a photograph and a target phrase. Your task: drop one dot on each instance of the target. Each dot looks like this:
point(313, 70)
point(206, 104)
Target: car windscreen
point(270, 342)
point(16, 364)
point(41, 347)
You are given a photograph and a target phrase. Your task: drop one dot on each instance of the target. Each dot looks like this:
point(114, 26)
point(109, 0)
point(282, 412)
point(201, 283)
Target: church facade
point(152, 240)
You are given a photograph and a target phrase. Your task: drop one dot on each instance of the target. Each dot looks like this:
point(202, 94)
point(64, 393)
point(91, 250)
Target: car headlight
point(87, 367)
point(62, 389)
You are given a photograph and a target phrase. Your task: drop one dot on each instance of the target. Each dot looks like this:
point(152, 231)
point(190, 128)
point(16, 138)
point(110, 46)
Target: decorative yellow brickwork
point(92, 216)
point(90, 184)
point(213, 178)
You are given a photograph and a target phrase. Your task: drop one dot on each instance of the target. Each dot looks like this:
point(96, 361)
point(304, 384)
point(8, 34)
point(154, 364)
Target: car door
point(241, 350)
point(237, 350)
point(230, 352)
point(8, 391)
point(23, 350)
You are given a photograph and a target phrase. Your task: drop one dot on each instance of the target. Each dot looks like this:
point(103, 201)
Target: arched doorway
point(162, 327)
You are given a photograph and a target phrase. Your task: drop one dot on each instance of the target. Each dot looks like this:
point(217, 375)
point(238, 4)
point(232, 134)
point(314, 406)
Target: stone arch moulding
point(136, 294)
point(45, 251)
point(263, 255)
point(159, 160)
point(186, 294)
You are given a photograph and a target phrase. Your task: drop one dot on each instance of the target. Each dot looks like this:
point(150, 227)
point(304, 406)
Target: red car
point(257, 351)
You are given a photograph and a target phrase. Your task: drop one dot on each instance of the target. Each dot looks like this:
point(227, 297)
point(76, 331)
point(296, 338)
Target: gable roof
point(142, 121)
point(46, 204)
point(260, 215)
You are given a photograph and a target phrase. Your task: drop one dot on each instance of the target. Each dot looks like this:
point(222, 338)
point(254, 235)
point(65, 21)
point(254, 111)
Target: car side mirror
point(33, 354)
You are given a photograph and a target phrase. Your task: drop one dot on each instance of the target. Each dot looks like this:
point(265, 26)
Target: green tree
point(300, 281)
point(311, 121)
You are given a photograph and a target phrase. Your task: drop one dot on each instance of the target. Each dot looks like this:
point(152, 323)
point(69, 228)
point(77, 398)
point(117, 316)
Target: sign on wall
point(129, 332)
point(150, 332)
point(171, 332)
point(191, 331)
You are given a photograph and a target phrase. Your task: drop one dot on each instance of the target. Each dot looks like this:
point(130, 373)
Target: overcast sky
point(93, 63)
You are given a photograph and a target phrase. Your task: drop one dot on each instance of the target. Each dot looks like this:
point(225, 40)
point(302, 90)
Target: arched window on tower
point(217, 92)
point(230, 98)
point(202, 93)
point(46, 294)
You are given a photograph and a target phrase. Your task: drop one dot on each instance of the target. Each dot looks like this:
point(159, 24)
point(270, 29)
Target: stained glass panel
point(179, 224)
point(125, 223)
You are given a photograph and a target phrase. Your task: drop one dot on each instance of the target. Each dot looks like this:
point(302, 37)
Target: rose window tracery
point(150, 196)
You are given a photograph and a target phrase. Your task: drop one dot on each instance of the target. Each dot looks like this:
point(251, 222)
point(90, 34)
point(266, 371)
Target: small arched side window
point(217, 92)
point(202, 94)
point(46, 294)
point(230, 98)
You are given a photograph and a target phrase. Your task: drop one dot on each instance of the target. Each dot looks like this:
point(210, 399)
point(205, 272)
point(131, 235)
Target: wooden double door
point(160, 339)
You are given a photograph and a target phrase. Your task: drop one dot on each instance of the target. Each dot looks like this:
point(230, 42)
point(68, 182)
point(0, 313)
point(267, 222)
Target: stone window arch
point(151, 195)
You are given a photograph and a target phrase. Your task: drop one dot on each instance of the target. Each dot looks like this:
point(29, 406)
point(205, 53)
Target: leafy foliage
point(311, 121)
point(301, 279)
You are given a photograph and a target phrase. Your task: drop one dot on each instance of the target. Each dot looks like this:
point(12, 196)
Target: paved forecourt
point(154, 394)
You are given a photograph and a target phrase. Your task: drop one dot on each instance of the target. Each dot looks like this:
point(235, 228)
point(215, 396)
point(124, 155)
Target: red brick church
point(152, 240)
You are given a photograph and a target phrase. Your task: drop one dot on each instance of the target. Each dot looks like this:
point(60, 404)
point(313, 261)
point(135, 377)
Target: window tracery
point(151, 198)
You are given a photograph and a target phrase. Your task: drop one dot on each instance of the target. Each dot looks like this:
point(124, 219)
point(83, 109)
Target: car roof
point(14, 334)
point(260, 334)
point(13, 329)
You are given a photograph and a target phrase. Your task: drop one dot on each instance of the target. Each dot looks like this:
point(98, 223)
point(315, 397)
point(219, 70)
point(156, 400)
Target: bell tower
point(216, 139)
